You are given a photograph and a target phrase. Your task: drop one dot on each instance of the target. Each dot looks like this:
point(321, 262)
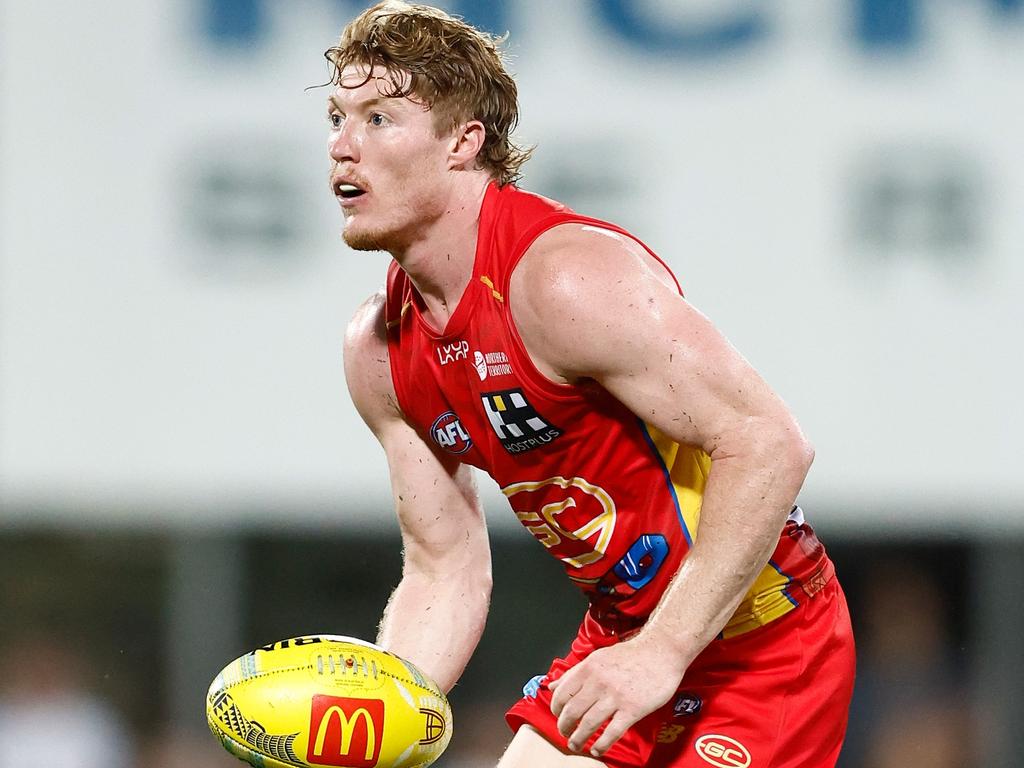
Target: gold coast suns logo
point(570, 516)
point(345, 732)
point(722, 751)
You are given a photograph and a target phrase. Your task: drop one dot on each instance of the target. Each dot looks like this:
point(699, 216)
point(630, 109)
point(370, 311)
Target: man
point(556, 353)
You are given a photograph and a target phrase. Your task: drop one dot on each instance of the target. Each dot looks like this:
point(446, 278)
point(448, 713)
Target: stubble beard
point(372, 239)
point(397, 239)
point(365, 241)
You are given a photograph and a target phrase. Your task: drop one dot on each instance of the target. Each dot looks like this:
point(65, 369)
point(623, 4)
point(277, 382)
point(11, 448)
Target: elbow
point(781, 445)
point(803, 454)
point(477, 576)
point(481, 584)
point(474, 585)
point(777, 445)
point(794, 453)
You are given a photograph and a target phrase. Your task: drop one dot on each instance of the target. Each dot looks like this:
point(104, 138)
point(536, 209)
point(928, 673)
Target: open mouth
point(347, 191)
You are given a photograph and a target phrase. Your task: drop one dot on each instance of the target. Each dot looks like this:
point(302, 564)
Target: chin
point(363, 240)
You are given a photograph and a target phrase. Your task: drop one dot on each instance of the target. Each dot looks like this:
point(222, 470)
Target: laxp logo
point(722, 752)
point(447, 353)
point(447, 432)
point(345, 732)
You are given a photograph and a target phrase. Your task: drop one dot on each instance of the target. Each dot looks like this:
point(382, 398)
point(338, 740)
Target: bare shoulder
point(367, 364)
point(592, 306)
point(576, 287)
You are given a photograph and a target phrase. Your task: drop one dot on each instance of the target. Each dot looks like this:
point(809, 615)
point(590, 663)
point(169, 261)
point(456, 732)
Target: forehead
point(360, 83)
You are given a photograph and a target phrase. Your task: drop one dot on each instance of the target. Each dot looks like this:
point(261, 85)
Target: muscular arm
point(621, 322)
point(436, 614)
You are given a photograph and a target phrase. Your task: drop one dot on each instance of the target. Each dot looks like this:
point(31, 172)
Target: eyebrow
point(366, 103)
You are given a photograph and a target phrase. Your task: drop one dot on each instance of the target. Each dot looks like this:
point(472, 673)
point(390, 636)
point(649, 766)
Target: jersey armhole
point(394, 314)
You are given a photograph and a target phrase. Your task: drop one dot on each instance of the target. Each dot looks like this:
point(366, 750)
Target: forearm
point(746, 502)
point(436, 621)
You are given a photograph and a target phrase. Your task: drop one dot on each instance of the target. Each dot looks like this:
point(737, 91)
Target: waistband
point(756, 609)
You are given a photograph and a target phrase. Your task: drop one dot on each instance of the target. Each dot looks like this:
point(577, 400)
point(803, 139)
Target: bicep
point(683, 376)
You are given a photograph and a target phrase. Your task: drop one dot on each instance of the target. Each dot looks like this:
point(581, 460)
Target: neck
point(439, 261)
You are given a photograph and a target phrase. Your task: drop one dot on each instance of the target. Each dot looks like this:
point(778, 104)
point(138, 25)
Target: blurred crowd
point(59, 707)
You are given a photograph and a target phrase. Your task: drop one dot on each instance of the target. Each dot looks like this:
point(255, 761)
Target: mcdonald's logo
point(433, 726)
point(345, 732)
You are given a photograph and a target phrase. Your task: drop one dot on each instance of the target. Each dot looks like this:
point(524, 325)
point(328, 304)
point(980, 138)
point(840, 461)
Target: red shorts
point(775, 697)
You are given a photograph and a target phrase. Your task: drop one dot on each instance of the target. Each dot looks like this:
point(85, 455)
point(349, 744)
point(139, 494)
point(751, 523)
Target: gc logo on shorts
point(722, 752)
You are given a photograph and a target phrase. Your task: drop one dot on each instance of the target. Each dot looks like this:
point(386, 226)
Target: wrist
point(675, 646)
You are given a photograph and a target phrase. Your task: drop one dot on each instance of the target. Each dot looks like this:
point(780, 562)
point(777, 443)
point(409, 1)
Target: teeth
point(348, 188)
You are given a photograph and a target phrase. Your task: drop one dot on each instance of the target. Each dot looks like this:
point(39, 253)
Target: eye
point(336, 119)
point(377, 119)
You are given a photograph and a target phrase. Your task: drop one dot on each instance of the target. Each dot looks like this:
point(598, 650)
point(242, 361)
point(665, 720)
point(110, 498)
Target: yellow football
point(328, 700)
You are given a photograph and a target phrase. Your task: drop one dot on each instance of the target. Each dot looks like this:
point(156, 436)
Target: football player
point(556, 352)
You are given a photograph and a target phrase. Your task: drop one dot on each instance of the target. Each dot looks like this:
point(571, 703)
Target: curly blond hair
point(454, 69)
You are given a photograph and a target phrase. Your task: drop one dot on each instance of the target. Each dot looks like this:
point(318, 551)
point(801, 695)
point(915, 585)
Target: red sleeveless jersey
point(614, 499)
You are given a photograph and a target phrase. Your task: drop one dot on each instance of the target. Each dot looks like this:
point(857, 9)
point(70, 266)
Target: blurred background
point(837, 183)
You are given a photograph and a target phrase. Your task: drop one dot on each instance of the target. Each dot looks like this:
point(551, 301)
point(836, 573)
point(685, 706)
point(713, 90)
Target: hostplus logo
point(517, 423)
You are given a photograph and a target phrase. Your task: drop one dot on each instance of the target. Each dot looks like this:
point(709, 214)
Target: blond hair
point(454, 69)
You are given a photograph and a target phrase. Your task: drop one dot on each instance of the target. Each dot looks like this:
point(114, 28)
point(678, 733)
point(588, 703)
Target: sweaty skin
point(436, 614)
point(591, 305)
point(588, 305)
point(422, 197)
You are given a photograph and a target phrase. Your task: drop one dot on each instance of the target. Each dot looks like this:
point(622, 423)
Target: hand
point(617, 685)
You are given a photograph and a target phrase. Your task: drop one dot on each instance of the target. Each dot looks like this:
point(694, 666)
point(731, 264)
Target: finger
point(561, 695)
point(612, 733)
point(589, 724)
point(573, 712)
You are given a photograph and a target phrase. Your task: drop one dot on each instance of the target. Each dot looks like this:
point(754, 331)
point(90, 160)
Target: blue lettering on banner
point(234, 22)
point(230, 23)
point(649, 32)
point(895, 25)
point(1009, 6)
point(488, 15)
point(891, 24)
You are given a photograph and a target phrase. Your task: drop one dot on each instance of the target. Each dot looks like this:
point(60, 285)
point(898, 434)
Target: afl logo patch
point(686, 705)
point(448, 433)
point(722, 752)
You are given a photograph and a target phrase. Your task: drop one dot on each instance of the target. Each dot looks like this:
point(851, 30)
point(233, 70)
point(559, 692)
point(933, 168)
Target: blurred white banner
point(840, 192)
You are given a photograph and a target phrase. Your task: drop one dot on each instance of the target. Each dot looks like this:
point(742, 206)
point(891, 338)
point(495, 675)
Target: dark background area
point(101, 602)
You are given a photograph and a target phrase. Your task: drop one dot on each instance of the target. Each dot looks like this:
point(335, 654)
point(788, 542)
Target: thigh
point(778, 698)
point(531, 750)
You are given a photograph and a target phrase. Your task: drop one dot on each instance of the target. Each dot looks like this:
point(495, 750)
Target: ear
point(466, 142)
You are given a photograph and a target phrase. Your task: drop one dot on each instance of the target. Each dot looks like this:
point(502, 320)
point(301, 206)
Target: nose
point(342, 144)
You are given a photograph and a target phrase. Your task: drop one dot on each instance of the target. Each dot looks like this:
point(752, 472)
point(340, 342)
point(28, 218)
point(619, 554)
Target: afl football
point(328, 700)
